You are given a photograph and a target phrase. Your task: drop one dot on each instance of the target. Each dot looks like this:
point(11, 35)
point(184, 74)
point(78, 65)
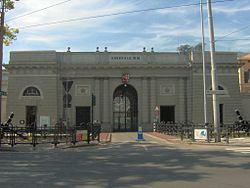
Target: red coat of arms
point(125, 78)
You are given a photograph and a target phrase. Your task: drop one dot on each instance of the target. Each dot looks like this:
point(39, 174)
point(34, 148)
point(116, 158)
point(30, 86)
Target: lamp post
point(203, 63)
point(213, 73)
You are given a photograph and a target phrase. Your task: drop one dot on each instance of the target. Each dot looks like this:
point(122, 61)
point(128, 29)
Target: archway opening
point(125, 108)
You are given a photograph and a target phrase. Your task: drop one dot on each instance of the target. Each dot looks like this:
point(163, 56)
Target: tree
point(9, 34)
point(184, 49)
point(198, 47)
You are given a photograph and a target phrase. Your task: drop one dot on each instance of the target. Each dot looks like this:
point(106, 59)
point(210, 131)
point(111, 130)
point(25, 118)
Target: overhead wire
point(35, 11)
point(116, 14)
point(235, 31)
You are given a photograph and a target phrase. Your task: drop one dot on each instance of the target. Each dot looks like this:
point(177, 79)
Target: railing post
point(73, 135)
point(227, 134)
point(56, 130)
point(1, 136)
point(88, 136)
point(12, 136)
point(34, 138)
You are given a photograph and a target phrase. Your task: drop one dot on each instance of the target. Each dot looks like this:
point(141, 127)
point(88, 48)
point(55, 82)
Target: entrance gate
point(125, 108)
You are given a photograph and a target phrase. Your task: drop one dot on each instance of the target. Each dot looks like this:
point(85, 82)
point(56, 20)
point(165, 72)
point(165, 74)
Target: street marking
point(243, 150)
point(160, 139)
point(145, 147)
point(246, 152)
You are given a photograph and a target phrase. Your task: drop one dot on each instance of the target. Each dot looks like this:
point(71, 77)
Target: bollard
point(140, 134)
point(154, 127)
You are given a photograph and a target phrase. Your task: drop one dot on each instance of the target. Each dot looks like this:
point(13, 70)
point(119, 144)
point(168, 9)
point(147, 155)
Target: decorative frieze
point(82, 90)
point(167, 90)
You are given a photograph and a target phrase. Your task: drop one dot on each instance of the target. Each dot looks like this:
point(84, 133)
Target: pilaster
point(106, 107)
point(145, 101)
point(182, 100)
point(97, 115)
point(152, 99)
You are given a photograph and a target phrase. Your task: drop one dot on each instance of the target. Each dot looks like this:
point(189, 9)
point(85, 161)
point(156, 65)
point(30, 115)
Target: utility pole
point(1, 52)
point(213, 73)
point(203, 62)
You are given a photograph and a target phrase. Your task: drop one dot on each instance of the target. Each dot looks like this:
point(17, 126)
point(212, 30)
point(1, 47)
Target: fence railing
point(57, 134)
point(186, 129)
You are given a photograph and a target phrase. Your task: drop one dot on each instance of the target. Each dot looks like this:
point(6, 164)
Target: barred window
point(246, 76)
point(31, 91)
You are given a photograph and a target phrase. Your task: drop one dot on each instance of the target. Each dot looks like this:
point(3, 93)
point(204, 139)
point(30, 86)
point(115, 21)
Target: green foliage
point(185, 49)
point(9, 33)
point(9, 5)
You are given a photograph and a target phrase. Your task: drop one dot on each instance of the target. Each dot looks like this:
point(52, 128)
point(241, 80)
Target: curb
point(175, 140)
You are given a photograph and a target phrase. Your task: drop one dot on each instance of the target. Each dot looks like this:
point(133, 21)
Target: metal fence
point(186, 129)
point(13, 135)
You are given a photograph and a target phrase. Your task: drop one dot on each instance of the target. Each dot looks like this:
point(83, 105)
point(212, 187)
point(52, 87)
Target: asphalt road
point(126, 163)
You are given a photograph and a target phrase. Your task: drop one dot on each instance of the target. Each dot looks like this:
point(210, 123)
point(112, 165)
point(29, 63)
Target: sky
point(126, 25)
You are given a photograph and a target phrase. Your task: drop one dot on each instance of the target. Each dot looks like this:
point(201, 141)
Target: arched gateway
point(125, 108)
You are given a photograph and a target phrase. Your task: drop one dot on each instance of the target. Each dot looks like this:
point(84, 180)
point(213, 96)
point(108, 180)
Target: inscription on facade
point(125, 58)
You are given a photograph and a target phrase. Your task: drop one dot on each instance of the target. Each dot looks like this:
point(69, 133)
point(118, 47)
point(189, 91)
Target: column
point(106, 106)
point(145, 102)
point(97, 115)
point(152, 99)
point(182, 100)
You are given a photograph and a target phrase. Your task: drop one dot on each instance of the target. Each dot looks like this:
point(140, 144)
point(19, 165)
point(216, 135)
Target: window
point(246, 77)
point(31, 91)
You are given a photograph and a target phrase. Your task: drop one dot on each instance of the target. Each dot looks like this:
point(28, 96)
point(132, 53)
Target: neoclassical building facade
point(122, 90)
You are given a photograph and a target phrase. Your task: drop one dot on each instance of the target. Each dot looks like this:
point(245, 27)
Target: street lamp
point(1, 50)
point(213, 73)
point(203, 63)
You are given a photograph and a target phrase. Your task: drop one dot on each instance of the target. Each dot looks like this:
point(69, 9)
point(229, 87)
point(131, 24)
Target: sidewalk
point(244, 141)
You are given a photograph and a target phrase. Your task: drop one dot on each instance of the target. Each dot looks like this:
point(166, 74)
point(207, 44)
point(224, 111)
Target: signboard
point(157, 110)
point(200, 134)
point(81, 135)
point(45, 121)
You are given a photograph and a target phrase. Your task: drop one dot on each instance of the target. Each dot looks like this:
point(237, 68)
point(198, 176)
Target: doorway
point(31, 113)
point(125, 108)
point(167, 113)
point(82, 114)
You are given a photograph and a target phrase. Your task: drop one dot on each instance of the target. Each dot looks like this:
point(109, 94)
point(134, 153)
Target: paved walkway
point(131, 136)
point(244, 141)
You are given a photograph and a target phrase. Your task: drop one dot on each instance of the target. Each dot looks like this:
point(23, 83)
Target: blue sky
point(163, 29)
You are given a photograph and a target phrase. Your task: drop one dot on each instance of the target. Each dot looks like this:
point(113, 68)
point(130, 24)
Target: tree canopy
point(9, 34)
point(186, 48)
